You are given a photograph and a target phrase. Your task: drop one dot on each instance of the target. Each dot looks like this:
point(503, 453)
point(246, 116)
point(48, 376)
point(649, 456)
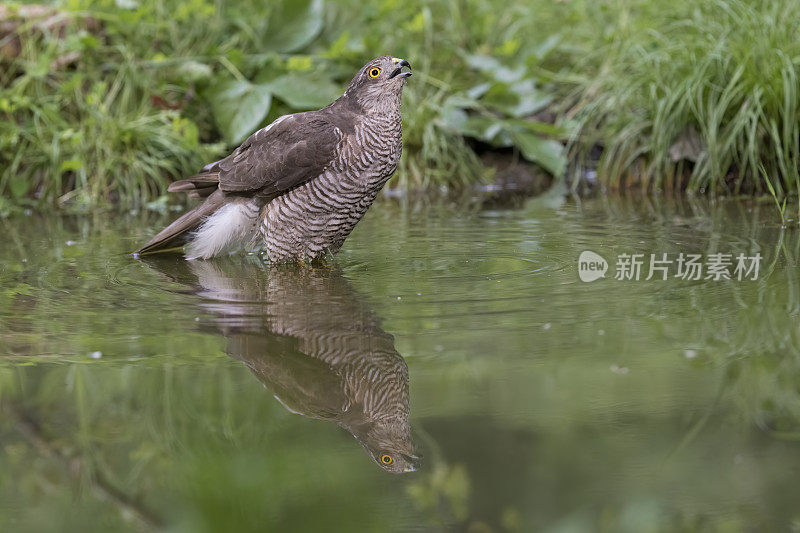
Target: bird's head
point(388, 442)
point(380, 82)
point(396, 462)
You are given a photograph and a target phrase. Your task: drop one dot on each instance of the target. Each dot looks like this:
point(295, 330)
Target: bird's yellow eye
point(374, 72)
point(385, 458)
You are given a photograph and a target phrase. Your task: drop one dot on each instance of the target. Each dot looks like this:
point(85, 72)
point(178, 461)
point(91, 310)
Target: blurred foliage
point(697, 96)
point(110, 99)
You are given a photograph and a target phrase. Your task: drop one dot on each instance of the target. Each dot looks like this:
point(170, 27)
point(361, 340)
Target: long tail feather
point(194, 182)
point(170, 237)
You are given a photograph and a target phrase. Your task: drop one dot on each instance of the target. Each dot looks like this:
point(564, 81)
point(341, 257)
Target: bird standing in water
point(298, 187)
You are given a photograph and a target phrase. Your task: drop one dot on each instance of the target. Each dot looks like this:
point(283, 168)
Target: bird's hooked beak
point(398, 71)
point(413, 462)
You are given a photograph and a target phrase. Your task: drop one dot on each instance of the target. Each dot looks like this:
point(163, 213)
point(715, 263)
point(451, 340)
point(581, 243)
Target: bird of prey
point(297, 188)
point(316, 346)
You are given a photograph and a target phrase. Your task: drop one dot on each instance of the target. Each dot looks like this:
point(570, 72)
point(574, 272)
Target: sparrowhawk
point(316, 345)
point(297, 188)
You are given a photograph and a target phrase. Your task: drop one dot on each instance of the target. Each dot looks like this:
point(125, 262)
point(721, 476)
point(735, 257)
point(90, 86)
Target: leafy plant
point(496, 112)
point(127, 96)
point(719, 75)
point(781, 205)
point(240, 106)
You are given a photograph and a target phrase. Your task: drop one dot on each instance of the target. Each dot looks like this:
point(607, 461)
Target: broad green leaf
point(193, 71)
point(546, 153)
point(239, 107)
point(500, 97)
point(530, 99)
point(486, 129)
point(494, 68)
point(483, 128)
point(305, 90)
point(517, 100)
point(460, 100)
point(452, 118)
point(479, 90)
point(551, 130)
point(294, 25)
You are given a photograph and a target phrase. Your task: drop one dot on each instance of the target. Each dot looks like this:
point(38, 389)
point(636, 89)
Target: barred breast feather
point(316, 218)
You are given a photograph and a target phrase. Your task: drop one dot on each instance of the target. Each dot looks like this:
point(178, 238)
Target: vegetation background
point(107, 101)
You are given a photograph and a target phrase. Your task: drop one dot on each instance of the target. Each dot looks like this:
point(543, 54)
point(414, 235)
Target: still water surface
point(460, 343)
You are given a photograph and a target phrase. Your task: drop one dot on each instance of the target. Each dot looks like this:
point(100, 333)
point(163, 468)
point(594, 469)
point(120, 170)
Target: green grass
point(154, 92)
point(696, 96)
point(722, 74)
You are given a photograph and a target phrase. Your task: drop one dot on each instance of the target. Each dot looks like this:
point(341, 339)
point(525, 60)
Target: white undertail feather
point(229, 229)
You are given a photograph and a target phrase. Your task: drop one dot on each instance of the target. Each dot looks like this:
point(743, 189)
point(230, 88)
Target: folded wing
point(286, 154)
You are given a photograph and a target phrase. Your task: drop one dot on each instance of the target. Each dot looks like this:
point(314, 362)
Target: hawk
point(315, 343)
point(298, 187)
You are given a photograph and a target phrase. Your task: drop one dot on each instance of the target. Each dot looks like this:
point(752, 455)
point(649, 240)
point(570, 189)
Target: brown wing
point(289, 152)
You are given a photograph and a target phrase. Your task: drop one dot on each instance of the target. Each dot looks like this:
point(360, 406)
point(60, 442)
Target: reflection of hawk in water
point(307, 335)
